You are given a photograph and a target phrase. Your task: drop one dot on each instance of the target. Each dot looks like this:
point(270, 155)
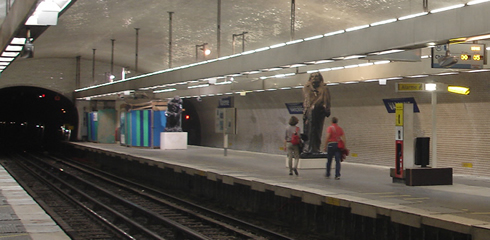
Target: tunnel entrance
point(35, 118)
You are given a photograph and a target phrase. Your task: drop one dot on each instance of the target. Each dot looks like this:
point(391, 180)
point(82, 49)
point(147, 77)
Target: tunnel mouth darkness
point(34, 118)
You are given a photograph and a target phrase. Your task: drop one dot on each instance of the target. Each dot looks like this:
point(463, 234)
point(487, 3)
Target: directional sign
point(409, 87)
point(461, 56)
point(399, 114)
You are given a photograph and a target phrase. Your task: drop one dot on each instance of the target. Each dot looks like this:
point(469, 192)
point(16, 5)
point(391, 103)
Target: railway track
point(123, 209)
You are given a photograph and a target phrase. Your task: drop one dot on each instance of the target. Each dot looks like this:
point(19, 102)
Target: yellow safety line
point(480, 213)
point(390, 196)
point(422, 198)
point(381, 193)
point(16, 235)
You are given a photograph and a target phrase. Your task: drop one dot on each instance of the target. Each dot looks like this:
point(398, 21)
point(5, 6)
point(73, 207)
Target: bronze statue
point(173, 114)
point(316, 107)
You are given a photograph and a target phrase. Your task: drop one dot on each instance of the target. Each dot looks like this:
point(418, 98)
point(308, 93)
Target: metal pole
point(197, 48)
point(434, 130)
point(219, 29)
point(93, 66)
point(293, 17)
point(112, 58)
point(170, 39)
point(243, 41)
point(77, 76)
point(233, 43)
point(136, 51)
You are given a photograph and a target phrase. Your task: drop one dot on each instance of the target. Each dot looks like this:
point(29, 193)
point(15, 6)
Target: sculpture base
point(173, 140)
point(313, 155)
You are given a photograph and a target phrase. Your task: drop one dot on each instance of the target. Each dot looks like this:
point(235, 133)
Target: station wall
point(462, 121)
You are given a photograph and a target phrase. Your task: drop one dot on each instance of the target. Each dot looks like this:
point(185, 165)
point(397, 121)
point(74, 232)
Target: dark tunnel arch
point(34, 118)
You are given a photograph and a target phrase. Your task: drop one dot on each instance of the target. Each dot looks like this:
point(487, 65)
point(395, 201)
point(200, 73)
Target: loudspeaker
point(422, 149)
point(28, 50)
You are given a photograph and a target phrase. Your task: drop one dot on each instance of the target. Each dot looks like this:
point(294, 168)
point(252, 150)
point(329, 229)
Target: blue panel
point(134, 128)
point(159, 122)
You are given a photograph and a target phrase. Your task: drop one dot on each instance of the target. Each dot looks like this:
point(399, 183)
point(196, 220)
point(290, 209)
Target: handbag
point(340, 143)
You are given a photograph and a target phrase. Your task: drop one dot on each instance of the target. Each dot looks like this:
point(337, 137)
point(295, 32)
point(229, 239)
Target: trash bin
point(422, 149)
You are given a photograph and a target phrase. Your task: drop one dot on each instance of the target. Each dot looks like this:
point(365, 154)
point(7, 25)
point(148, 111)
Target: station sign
point(459, 56)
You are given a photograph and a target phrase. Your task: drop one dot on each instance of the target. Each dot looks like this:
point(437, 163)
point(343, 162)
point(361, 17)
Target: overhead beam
point(15, 20)
point(407, 34)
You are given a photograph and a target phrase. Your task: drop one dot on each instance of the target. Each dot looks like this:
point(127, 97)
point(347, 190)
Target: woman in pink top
point(334, 135)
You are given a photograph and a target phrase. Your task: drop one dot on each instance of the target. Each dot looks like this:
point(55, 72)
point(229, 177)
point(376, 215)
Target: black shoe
point(290, 173)
point(295, 171)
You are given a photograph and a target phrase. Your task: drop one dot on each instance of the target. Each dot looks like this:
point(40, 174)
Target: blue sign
point(390, 104)
point(226, 102)
point(295, 108)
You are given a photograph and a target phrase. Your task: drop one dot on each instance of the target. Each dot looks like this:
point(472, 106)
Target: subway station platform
point(463, 207)
point(21, 218)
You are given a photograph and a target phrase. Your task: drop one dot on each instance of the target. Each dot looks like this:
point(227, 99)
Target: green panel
point(146, 131)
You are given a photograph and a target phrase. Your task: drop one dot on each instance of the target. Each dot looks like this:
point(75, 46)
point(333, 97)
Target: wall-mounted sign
point(295, 108)
point(226, 102)
point(390, 104)
point(409, 87)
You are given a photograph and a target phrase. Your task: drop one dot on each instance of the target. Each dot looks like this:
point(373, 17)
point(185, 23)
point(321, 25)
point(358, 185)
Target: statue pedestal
point(173, 140)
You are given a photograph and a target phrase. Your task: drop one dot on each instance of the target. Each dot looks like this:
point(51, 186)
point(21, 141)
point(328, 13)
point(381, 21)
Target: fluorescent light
point(447, 73)
point(356, 28)
point(458, 90)
point(223, 83)
point(354, 57)
point(248, 52)
point(10, 54)
point(314, 37)
point(413, 16)
point(477, 2)
point(418, 76)
point(479, 70)
point(337, 68)
point(476, 38)
point(278, 45)
point(325, 70)
point(165, 90)
point(6, 59)
point(333, 33)
point(389, 51)
point(262, 49)
point(199, 86)
point(14, 48)
point(20, 41)
point(351, 66)
point(447, 8)
point(382, 62)
point(4, 63)
point(295, 41)
point(311, 71)
point(383, 22)
point(430, 86)
point(323, 61)
point(285, 88)
point(366, 64)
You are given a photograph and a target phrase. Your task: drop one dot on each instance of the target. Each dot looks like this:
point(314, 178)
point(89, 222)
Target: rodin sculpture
point(316, 107)
point(173, 114)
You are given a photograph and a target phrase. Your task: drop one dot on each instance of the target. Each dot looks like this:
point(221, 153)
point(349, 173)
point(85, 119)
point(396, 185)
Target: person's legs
point(296, 156)
point(338, 157)
point(330, 154)
point(290, 152)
